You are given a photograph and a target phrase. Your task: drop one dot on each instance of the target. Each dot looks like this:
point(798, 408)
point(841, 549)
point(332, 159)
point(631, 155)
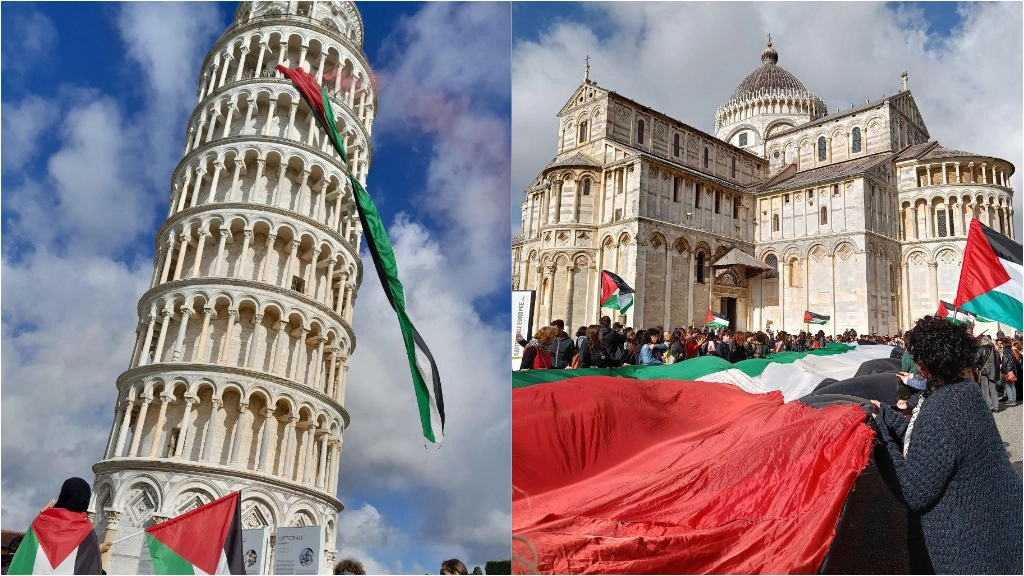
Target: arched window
point(706, 156)
point(676, 186)
point(940, 221)
point(856, 140)
point(583, 132)
point(586, 187)
point(675, 145)
point(743, 139)
point(822, 152)
point(640, 131)
point(823, 220)
point(775, 222)
point(794, 273)
point(699, 272)
point(772, 262)
point(733, 167)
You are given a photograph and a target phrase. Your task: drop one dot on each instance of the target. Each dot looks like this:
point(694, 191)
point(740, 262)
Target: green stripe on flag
point(998, 306)
point(165, 560)
point(24, 560)
point(691, 369)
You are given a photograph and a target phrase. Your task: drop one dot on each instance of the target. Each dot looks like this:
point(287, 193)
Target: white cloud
point(23, 124)
point(686, 59)
point(453, 61)
point(29, 38)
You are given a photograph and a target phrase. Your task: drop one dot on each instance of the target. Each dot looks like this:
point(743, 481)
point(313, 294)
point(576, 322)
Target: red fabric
point(198, 536)
point(692, 349)
point(608, 287)
point(662, 476)
point(307, 86)
point(59, 532)
point(542, 359)
point(982, 270)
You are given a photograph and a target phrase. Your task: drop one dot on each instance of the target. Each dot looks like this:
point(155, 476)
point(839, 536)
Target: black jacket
point(987, 363)
point(562, 351)
point(592, 358)
point(613, 343)
point(958, 480)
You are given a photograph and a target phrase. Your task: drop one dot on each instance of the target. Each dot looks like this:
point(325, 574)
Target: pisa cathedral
point(238, 377)
point(856, 214)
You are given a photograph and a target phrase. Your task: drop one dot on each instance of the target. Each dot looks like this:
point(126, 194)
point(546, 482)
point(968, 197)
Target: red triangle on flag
point(982, 271)
point(198, 536)
point(59, 532)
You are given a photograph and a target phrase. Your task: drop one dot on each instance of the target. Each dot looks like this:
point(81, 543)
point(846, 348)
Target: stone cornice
point(217, 281)
point(233, 371)
point(124, 464)
point(251, 208)
point(203, 104)
point(932, 188)
point(262, 23)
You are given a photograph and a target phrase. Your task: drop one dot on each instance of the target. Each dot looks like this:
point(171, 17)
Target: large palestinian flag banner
point(707, 467)
point(812, 318)
point(207, 540)
point(992, 277)
point(429, 397)
point(57, 543)
point(615, 293)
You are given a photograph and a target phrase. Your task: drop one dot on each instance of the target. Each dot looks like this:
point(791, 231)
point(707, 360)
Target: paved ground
point(1010, 421)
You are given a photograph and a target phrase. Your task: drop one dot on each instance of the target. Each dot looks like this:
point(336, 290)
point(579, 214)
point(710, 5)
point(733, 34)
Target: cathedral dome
point(771, 79)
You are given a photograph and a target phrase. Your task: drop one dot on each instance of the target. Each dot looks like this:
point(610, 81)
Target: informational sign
point(299, 550)
point(255, 544)
point(522, 321)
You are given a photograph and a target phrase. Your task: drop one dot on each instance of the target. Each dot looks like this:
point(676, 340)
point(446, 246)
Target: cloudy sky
point(95, 101)
point(684, 59)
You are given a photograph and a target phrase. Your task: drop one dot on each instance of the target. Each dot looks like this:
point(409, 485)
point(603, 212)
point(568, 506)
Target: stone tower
point(237, 380)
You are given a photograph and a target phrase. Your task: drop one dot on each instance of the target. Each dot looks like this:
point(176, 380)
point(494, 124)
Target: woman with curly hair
point(953, 472)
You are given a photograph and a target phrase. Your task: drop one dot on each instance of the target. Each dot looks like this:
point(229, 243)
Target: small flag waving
point(992, 277)
point(950, 312)
point(429, 399)
point(615, 293)
point(207, 540)
point(812, 318)
point(58, 542)
point(715, 321)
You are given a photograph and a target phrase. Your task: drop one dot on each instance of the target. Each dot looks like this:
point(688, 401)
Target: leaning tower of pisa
point(237, 380)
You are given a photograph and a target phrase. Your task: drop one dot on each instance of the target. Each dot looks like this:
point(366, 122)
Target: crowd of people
point(610, 344)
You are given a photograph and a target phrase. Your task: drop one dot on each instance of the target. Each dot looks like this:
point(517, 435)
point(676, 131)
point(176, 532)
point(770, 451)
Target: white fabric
point(800, 378)
point(736, 378)
point(42, 564)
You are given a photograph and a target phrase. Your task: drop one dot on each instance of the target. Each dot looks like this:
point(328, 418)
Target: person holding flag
point(61, 539)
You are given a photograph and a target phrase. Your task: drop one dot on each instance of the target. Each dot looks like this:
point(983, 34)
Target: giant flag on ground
point(429, 398)
point(992, 277)
point(207, 540)
point(615, 293)
point(678, 477)
point(57, 543)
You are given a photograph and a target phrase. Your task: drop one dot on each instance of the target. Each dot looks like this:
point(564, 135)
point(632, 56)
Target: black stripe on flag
point(1004, 248)
point(88, 560)
point(233, 550)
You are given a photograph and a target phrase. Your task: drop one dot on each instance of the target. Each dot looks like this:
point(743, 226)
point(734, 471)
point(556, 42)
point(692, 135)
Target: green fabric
point(165, 560)
point(691, 369)
point(24, 560)
point(998, 306)
point(907, 364)
point(384, 258)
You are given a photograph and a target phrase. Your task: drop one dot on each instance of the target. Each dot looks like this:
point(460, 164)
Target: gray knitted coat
point(958, 479)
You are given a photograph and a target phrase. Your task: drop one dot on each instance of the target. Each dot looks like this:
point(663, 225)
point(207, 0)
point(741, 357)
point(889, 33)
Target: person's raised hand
point(105, 547)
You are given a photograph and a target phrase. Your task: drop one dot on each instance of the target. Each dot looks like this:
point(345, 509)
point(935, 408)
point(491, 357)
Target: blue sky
point(95, 98)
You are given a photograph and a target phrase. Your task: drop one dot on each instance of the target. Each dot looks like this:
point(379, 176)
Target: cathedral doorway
point(727, 308)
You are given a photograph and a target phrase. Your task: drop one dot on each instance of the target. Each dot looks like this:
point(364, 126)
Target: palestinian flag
point(716, 321)
point(428, 397)
point(615, 293)
point(812, 318)
point(59, 542)
point(207, 540)
point(949, 312)
point(992, 277)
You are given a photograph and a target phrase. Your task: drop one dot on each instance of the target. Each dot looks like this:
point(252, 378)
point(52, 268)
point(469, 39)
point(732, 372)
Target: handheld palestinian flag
point(615, 293)
point(207, 540)
point(812, 318)
point(428, 398)
point(992, 277)
point(58, 542)
point(950, 312)
point(716, 321)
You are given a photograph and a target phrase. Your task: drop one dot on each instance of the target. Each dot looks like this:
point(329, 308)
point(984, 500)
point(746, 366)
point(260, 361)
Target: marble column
point(243, 258)
point(228, 336)
point(199, 252)
point(269, 251)
point(280, 364)
point(179, 342)
point(257, 323)
point(144, 353)
point(264, 440)
point(158, 430)
point(109, 535)
point(126, 422)
point(933, 268)
point(225, 233)
point(184, 427)
point(240, 424)
point(322, 468)
point(284, 463)
point(213, 425)
point(163, 335)
point(200, 353)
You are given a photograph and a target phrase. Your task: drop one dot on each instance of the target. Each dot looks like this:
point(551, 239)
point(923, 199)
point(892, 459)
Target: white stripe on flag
point(1015, 285)
point(423, 364)
point(42, 564)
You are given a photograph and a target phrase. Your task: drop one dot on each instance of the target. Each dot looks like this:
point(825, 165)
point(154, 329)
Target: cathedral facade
point(857, 215)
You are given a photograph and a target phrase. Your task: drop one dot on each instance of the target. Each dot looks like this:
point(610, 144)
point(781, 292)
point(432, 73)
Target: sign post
point(522, 321)
point(299, 550)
